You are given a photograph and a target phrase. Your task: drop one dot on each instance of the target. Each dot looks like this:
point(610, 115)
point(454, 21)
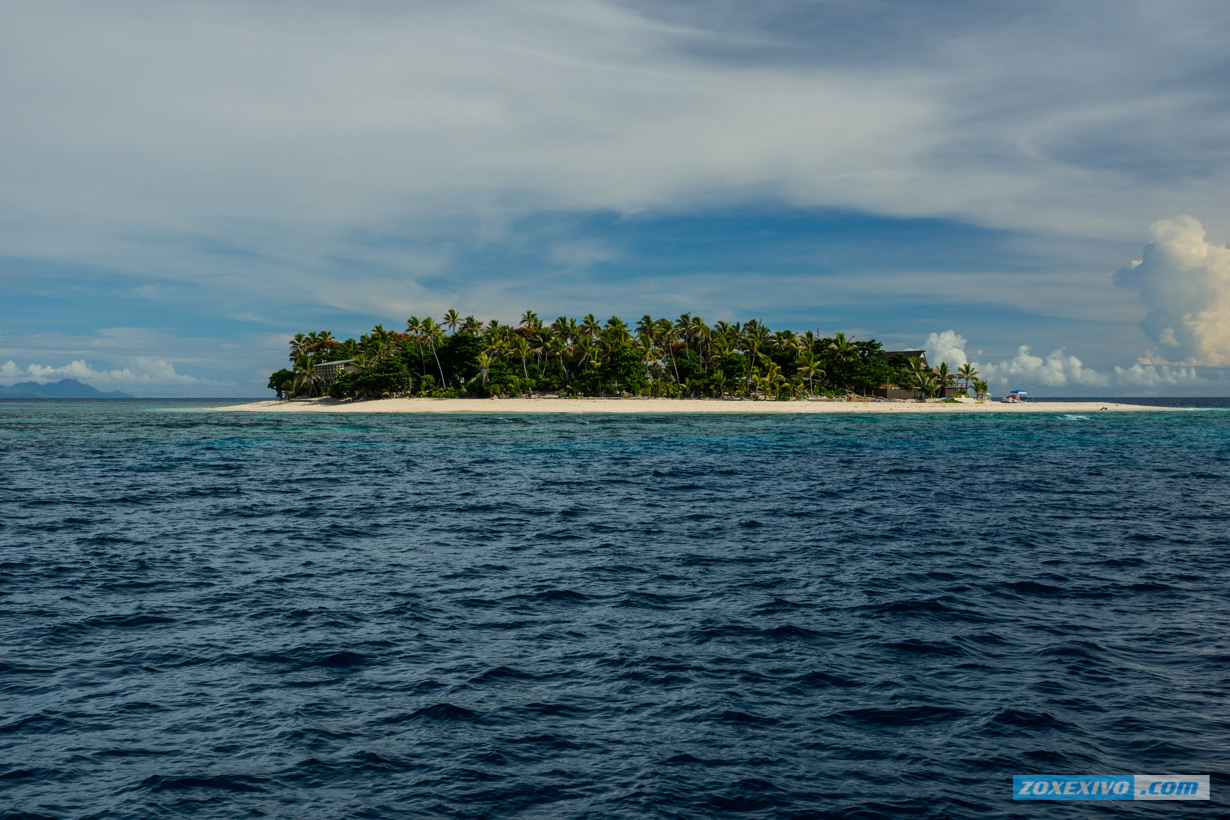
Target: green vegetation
point(684, 358)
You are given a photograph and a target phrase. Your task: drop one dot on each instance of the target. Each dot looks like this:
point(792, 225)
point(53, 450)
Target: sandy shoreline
point(556, 405)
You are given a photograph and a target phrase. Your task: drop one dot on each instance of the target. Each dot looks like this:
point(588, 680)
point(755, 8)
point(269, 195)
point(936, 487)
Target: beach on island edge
point(693, 406)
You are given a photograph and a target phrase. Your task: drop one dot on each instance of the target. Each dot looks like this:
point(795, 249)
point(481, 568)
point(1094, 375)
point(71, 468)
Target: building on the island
point(921, 355)
point(327, 372)
point(890, 391)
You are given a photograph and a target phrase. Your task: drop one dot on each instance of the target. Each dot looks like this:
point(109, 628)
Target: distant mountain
point(63, 389)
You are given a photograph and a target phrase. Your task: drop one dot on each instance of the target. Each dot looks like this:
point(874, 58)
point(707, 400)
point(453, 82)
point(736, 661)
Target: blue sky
point(1038, 188)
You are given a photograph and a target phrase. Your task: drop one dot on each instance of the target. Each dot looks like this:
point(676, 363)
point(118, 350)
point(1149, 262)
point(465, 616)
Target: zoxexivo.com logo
point(1110, 787)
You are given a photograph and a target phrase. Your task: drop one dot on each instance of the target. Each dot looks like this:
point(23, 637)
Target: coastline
point(687, 406)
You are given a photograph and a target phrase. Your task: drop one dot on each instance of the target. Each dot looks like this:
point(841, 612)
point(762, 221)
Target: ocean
point(406, 616)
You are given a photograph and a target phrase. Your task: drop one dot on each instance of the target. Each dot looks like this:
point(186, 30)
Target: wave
point(634, 617)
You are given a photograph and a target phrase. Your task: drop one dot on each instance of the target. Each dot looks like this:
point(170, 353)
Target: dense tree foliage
point(282, 382)
point(655, 357)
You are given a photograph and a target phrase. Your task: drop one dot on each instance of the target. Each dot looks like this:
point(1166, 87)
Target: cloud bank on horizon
point(1058, 369)
point(143, 371)
point(219, 175)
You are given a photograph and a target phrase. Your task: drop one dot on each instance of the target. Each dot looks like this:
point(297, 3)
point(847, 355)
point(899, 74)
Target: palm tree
point(968, 373)
point(774, 378)
point(809, 368)
point(717, 349)
point(522, 348)
point(484, 367)
point(433, 334)
point(944, 377)
point(298, 346)
point(648, 351)
point(381, 342)
point(665, 330)
point(538, 345)
point(497, 346)
point(727, 331)
point(808, 341)
point(414, 326)
point(700, 333)
point(646, 327)
point(917, 375)
point(783, 340)
point(842, 348)
point(756, 336)
point(558, 350)
point(451, 319)
point(305, 374)
point(582, 352)
point(682, 329)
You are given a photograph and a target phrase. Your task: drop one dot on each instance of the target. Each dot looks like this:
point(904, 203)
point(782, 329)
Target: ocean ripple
point(679, 617)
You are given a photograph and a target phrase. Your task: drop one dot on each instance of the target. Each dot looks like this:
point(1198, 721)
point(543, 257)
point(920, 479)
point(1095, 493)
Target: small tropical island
point(657, 365)
point(657, 358)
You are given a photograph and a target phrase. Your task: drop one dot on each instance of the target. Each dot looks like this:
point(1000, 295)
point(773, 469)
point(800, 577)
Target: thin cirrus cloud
point(339, 164)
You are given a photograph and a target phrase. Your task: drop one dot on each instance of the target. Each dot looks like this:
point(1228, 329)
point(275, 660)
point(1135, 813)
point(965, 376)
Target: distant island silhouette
point(63, 389)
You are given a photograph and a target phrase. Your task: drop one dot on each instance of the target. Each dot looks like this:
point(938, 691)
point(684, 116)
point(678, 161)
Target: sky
point(1039, 188)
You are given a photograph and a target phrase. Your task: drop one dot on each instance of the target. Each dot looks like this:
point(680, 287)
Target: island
point(63, 389)
point(586, 365)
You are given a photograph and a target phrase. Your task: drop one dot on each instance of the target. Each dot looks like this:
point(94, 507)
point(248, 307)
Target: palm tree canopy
point(656, 356)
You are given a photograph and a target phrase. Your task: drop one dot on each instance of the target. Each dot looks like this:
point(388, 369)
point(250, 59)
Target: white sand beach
point(638, 405)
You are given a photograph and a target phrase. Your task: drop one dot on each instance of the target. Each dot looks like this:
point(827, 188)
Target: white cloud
point(131, 144)
point(1184, 280)
point(143, 371)
point(1026, 370)
point(1056, 370)
point(1148, 375)
point(333, 120)
point(948, 347)
point(359, 156)
point(120, 357)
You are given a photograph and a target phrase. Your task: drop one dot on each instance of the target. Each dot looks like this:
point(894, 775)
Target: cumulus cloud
point(948, 347)
point(1058, 369)
point(1184, 280)
point(143, 371)
point(146, 361)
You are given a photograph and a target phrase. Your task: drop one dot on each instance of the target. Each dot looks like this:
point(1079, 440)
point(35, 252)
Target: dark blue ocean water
point(224, 616)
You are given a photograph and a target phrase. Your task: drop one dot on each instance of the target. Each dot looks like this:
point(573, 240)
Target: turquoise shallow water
point(226, 615)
